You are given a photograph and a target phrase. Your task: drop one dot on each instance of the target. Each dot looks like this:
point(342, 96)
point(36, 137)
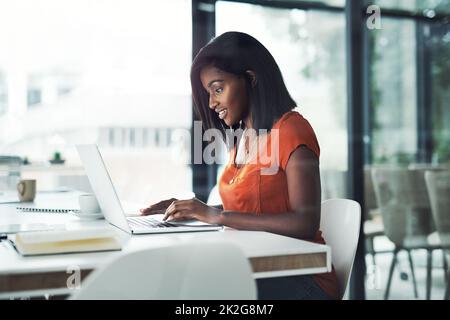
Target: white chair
point(373, 223)
point(340, 224)
point(214, 197)
point(438, 186)
point(191, 271)
point(406, 210)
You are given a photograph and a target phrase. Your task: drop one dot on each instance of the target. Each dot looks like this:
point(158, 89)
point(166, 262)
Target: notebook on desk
point(66, 205)
point(66, 241)
point(47, 210)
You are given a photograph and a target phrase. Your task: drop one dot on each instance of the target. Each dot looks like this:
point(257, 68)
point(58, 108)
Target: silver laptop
point(112, 208)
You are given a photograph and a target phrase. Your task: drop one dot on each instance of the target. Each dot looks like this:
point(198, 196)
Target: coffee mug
point(27, 190)
point(89, 204)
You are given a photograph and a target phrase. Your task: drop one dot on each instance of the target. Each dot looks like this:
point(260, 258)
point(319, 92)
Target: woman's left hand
point(192, 209)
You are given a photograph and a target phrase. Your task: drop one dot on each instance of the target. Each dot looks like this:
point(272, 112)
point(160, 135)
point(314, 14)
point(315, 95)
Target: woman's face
point(227, 94)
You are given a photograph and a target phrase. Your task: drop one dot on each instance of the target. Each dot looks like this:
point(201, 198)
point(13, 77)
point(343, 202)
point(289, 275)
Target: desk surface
point(270, 255)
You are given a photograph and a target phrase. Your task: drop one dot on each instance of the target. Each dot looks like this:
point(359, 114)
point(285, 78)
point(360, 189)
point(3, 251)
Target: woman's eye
point(219, 90)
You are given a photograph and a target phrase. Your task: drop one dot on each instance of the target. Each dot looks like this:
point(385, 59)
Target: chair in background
point(340, 225)
point(190, 271)
point(423, 203)
point(421, 189)
point(428, 167)
point(373, 224)
point(438, 185)
point(334, 187)
point(406, 216)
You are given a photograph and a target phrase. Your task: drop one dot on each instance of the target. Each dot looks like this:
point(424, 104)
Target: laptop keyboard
point(148, 222)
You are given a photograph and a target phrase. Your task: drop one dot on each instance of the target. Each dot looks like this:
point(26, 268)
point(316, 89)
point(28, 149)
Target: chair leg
point(371, 249)
point(445, 263)
point(429, 267)
point(416, 295)
point(447, 293)
point(373, 252)
point(391, 272)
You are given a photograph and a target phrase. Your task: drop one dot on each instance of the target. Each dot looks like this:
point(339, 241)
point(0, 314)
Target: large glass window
point(408, 58)
point(337, 3)
point(312, 61)
point(439, 46)
point(394, 92)
point(3, 94)
point(427, 7)
point(115, 73)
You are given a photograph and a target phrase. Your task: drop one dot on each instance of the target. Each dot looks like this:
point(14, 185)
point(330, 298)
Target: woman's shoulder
point(294, 130)
point(292, 120)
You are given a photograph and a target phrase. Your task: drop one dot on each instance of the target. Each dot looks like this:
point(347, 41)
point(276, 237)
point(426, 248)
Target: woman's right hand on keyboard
point(157, 208)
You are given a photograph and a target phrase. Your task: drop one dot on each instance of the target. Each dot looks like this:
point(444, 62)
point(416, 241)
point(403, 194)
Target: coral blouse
point(248, 189)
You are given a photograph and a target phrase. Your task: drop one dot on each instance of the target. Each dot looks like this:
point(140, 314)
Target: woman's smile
point(222, 112)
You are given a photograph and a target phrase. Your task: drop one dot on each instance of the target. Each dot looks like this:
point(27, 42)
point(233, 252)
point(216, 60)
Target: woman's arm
point(303, 179)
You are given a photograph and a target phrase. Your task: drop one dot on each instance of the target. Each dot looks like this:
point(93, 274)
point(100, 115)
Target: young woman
point(237, 83)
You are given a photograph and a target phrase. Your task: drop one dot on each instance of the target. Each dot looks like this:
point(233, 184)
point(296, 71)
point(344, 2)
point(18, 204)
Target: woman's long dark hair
point(235, 53)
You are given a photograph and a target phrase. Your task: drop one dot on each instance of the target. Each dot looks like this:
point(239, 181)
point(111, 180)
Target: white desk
point(270, 255)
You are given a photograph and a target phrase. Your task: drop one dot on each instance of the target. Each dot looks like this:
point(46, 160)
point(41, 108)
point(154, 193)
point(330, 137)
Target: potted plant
point(57, 159)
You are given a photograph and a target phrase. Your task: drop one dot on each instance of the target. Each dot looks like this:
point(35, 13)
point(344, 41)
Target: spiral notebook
point(48, 210)
point(50, 206)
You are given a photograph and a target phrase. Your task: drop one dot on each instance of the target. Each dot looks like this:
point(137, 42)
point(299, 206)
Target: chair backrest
point(428, 166)
point(370, 201)
point(438, 186)
point(340, 223)
point(214, 196)
point(404, 204)
point(191, 271)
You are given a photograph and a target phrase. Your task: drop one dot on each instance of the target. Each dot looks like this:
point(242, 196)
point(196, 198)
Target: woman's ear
point(252, 76)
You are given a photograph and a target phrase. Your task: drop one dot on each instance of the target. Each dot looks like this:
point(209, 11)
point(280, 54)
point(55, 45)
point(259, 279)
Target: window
point(393, 92)
point(3, 94)
point(312, 61)
point(427, 7)
point(438, 43)
point(81, 71)
point(337, 3)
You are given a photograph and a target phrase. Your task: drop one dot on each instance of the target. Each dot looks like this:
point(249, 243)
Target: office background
point(116, 73)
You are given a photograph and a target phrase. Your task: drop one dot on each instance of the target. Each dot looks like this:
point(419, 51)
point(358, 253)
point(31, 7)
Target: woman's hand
point(192, 209)
point(157, 208)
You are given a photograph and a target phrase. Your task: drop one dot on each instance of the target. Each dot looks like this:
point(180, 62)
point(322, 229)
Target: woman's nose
point(212, 103)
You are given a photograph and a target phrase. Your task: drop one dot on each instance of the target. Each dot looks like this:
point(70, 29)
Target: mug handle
point(21, 188)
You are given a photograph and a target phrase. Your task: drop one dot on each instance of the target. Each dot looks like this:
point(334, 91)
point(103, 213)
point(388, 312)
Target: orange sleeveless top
point(249, 190)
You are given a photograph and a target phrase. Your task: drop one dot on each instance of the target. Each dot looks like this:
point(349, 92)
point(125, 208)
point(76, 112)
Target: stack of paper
point(66, 241)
